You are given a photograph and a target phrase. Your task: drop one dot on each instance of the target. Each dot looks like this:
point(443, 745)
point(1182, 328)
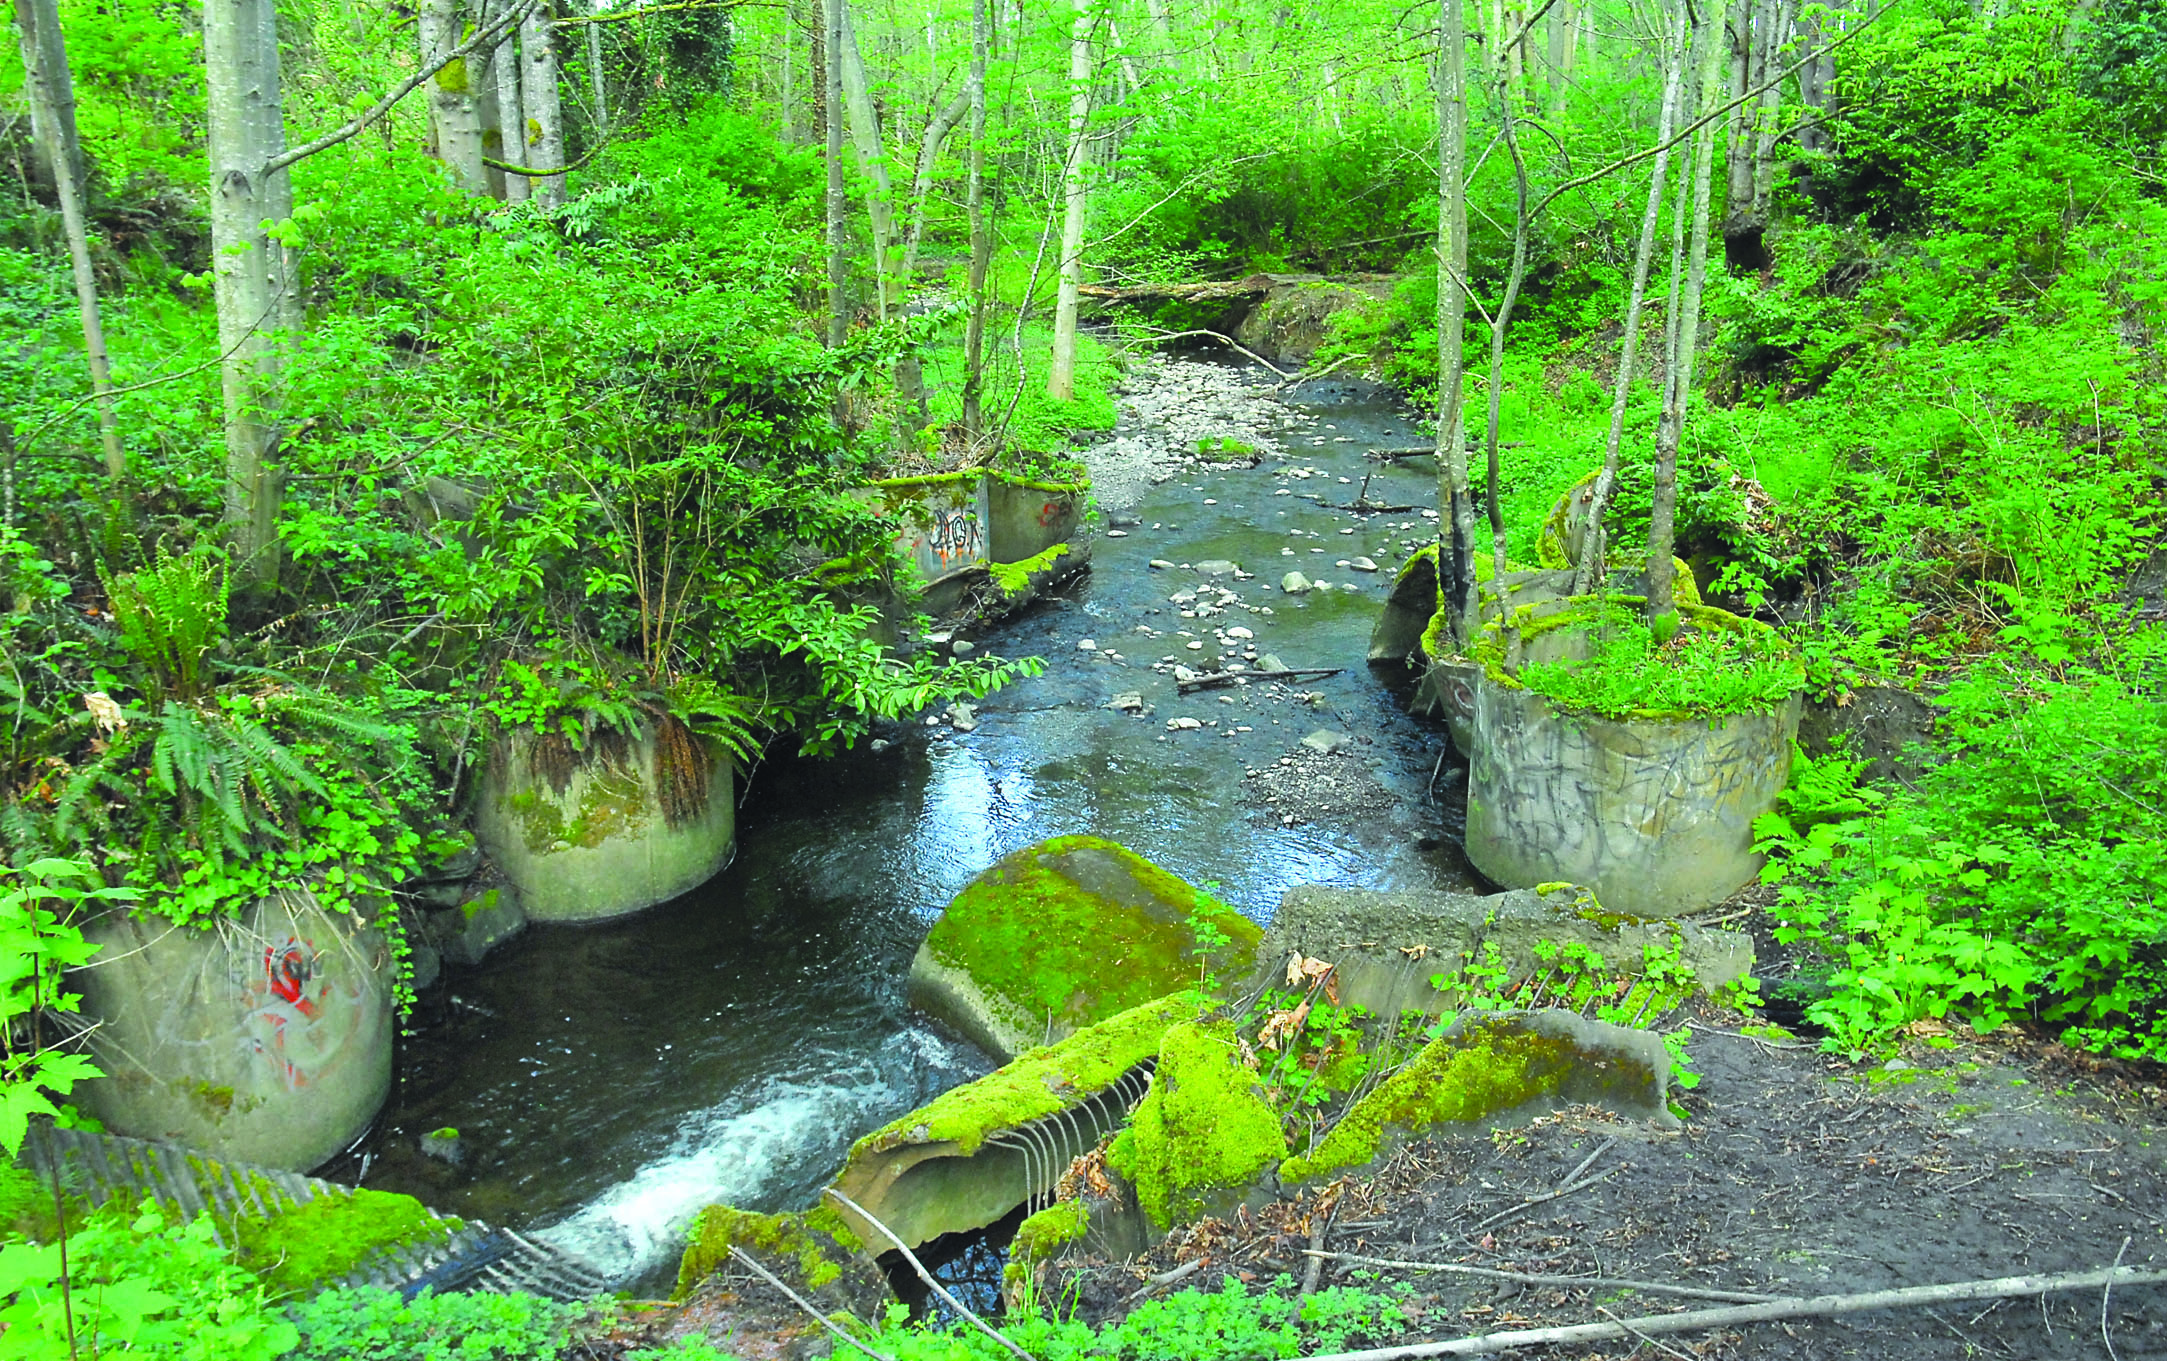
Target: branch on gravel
point(1818, 1306)
point(1219, 680)
point(1687, 1292)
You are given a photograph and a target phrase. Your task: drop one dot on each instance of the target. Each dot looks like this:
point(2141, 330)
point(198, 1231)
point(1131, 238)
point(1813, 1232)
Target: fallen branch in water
point(1218, 680)
point(1817, 1306)
point(1689, 1292)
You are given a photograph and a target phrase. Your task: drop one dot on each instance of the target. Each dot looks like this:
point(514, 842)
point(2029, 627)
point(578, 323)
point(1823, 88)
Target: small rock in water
point(443, 1145)
point(1239, 632)
point(1183, 724)
point(1196, 647)
point(878, 745)
point(1326, 740)
point(1216, 567)
point(1270, 662)
point(962, 647)
point(963, 717)
point(1127, 702)
point(1294, 583)
point(1363, 565)
point(1161, 565)
point(1120, 521)
point(1086, 645)
point(1117, 533)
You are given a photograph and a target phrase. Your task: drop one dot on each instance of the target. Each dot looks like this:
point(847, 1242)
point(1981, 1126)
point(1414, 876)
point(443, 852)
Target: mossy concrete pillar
point(1024, 519)
point(262, 1039)
point(585, 836)
point(1654, 814)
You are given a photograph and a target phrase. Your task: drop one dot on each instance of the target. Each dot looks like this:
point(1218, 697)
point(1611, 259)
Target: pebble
point(1161, 565)
point(1216, 567)
point(1363, 565)
point(1326, 740)
point(962, 647)
point(1294, 583)
point(1196, 647)
point(1127, 702)
point(1183, 724)
point(1117, 533)
point(1086, 645)
point(1239, 632)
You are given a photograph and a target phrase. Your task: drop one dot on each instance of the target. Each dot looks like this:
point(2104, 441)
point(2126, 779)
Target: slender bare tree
point(1591, 567)
point(1455, 499)
point(974, 331)
point(872, 152)
point(511, 126)
point(838, 205)
point(1061, 366)
point(52, 106)
point(1662, 606)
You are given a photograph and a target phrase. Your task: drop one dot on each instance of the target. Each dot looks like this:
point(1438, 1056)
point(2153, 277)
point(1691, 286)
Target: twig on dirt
point(1818, 1306)
point(801, 1302)
point(1165, 1279)
point(2106, 1293)
point(1684, 1292)
point(1545, 1198)
point(1654, 1342)
point(924, 1275)
point(1320, 1224)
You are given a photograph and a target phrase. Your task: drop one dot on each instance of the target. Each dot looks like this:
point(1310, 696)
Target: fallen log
point(1219, 680)
point(1220, 288)
point(1817, 1306)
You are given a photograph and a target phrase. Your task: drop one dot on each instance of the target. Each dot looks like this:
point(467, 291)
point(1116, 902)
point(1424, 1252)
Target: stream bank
point(607, 1081)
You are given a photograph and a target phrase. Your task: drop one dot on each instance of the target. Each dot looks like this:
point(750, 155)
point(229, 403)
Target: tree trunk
point(482, 74)
point(1590, 570)
point(1662, 606)
point(1743, 249)
point(542, 103)
point(52, 121)
point(786, 105)
point(838, 204)
point(974, 331)
point(1523, 225)
point(595, 75)
point(872, 152)
point(238, 89)
point(454, 110)
point(511, 117)
point(921, 189)
point(1455, 500)
point(1564, 40)
point(1061, 368)
point(284, 259)
point(52, 104)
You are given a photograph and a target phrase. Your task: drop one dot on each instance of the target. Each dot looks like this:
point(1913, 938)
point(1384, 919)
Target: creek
point(607, 1082)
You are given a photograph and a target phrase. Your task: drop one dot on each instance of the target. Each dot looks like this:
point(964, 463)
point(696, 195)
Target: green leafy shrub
point(2023, 879)
point(376, 1325)
point(1706, 671)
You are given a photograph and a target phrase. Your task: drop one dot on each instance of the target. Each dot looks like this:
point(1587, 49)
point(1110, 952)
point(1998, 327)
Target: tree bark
point(543, 104)
point(595, 75)
point(52, 104)
point(1523, 225)
point(921, 189)
point(866, 139)
point(238, 89)
point(974, 330)
point(1455, 499)
point(454, 109)
point(1662, 522)
point(1590, 570)
point(1061, 367)
point(511, 116)
point(838, 204)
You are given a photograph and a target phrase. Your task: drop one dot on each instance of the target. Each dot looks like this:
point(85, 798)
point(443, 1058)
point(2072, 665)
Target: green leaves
point(39, 942)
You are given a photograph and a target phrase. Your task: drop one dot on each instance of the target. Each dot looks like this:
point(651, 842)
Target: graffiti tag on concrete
point(297, 1018)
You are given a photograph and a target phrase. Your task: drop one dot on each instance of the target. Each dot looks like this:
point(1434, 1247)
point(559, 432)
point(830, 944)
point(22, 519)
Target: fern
point(170, 616)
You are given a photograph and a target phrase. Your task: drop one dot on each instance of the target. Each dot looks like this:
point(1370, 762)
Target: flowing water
point(609, 1081)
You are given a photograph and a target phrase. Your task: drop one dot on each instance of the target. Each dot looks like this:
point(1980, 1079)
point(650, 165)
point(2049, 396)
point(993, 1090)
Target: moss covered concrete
point(1044, 1234)
point(1205, 1136)
point(330, 1236)
point(1489, 1067)
point(814, 1245)
point(1039, 1083)
point(1067, 933)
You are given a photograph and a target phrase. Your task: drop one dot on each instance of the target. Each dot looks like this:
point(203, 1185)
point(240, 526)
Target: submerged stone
point(1493, 1067)
point(1060, 935)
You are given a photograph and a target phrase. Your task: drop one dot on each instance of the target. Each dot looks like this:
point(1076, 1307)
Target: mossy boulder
point(814, 1251)
point(1205, 1139)
point(1045, 1235)
point(1494, 1067)
point(263, 1039)
point(1067, 933)
point(944, 1168)
point(600, 833)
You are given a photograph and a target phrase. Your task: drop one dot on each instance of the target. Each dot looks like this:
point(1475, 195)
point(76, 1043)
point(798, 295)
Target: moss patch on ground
point(1080, 929)
point(1205, 1128)
point(1486, 1070)
point(332, 1235)
point(816, 1242)
point(1039, 1082)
